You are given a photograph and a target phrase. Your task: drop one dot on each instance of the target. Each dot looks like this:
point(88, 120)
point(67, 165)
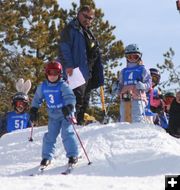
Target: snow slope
point(124, 156)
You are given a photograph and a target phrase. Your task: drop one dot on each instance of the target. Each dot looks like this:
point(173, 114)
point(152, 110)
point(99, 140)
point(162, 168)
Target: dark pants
point(82, 94)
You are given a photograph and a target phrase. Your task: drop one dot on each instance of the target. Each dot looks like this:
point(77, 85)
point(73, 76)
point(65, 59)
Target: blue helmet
point(132, 48)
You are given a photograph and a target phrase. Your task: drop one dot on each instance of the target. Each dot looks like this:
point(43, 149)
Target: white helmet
point(132, 48)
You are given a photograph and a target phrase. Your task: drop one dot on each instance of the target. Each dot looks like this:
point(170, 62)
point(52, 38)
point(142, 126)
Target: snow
point(125, 156)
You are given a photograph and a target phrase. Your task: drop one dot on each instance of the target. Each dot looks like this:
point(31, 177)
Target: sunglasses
point(53, 72)
point(87, 17)
point(133, 57)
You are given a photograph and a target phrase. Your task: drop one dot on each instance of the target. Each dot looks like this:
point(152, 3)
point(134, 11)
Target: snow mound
point(125, 153)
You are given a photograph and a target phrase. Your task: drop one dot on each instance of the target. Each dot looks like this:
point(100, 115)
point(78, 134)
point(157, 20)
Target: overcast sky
point(154, 25)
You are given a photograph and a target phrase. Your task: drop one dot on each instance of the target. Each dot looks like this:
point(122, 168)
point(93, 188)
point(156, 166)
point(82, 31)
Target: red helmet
point(54, 66)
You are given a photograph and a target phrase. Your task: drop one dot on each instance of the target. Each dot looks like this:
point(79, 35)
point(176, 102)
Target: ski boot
point(45, 162)
point(73, 160)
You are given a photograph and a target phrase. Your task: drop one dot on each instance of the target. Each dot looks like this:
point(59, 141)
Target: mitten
point(140, 85)
point(67, 110)
point(33, 114)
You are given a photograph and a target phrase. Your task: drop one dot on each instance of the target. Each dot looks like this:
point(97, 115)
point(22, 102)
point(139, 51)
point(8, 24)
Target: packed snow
point(125, 156)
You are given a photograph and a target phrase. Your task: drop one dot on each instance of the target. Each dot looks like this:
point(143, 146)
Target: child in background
point(156, 101)
point(60, 102)
point(19, 118)
point(153, 97)
point(134, 82)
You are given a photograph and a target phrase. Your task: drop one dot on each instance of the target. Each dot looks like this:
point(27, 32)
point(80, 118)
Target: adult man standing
point(79, 48)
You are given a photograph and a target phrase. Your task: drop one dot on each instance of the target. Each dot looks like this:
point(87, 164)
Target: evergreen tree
point(172, 71)
point(29, 35)
point(29, 28)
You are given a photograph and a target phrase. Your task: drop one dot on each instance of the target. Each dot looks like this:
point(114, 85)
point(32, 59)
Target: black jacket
point(174, 119)
point(3, 122)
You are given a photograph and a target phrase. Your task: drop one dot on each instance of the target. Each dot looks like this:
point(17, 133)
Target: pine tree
point(29, 35)
point(172, 71)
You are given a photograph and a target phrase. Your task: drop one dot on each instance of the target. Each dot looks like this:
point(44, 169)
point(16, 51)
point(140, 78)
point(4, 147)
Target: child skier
point(156, 101)
point(19, 118)
point(134, 82)
point(174, 117)
point(60, 102)
point(153, 96)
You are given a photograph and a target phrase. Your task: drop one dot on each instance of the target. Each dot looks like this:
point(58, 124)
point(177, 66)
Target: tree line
point(29, 36)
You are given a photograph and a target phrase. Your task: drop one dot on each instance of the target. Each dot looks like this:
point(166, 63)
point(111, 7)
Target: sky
point(153, 25)
point(124, 156)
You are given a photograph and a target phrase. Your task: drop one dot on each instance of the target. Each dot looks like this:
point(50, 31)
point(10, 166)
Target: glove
point(67, 110)
point(140, 85)
point(33, 114)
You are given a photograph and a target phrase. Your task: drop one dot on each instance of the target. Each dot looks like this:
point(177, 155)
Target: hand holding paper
point(76, 79)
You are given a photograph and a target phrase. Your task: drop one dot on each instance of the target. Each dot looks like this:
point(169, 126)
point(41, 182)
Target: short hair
point(85, 8)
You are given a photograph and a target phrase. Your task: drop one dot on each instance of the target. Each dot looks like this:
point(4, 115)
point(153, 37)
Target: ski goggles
point(20, 104)
point(133, 57)
point(155, 79)
point(53, 72)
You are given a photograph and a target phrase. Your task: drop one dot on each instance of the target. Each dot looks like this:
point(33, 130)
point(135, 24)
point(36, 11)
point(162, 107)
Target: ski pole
point(73, 121)
point(105, 119)
point(31, 134)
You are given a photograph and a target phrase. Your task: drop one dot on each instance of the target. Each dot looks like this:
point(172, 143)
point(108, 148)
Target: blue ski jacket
point(72, 54)
point(12, 121)
point(56, 95)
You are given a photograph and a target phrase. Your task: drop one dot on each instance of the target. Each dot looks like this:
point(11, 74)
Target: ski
point(68, 170)
point(40, 171)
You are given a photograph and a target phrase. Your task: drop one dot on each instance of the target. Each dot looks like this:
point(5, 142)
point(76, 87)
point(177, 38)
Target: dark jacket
point(73, 53)
point(3, 129)
point(174, 119)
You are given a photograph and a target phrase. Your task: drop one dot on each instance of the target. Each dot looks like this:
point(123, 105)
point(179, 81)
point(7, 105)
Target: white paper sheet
point(76, 79)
